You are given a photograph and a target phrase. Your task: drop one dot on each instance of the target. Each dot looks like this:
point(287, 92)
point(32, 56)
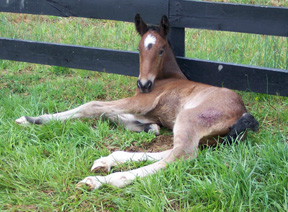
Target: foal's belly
point(166, 114)
point(167, 122)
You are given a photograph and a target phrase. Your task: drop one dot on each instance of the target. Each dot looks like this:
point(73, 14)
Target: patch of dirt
point(49, 192)
point(158, 144)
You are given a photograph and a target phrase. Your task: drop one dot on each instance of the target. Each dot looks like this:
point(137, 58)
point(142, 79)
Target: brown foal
point(197, 113)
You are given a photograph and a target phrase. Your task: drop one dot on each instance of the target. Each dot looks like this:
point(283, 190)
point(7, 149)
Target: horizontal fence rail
point(120, 10)
point(94, 59)
point(230, 17)
point(182, 14)
point(115, 61)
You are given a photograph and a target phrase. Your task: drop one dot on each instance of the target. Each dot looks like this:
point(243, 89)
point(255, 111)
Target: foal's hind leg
point(186, 140)
point(120, 157)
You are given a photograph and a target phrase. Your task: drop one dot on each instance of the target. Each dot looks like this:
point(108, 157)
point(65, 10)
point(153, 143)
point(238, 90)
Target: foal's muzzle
point(146, 88)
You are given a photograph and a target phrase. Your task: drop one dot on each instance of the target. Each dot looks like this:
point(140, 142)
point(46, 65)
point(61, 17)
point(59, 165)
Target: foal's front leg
point(90, 109)
point(111, 109)
point(136, 123)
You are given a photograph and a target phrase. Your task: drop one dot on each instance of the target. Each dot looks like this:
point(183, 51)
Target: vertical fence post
point(177, 40)
point(177, 34)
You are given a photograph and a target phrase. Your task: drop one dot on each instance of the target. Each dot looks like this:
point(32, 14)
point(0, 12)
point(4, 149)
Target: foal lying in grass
point(197, 113)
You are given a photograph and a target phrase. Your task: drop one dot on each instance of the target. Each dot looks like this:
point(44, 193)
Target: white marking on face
point(150, 39)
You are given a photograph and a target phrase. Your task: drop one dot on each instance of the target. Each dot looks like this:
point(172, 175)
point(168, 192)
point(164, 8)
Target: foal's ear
point(164, 26)
point(140, 25)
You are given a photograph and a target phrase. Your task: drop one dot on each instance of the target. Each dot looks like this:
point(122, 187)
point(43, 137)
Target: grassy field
point(40, 165)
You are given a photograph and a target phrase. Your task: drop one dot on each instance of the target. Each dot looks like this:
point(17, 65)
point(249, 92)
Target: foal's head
point(152, 48)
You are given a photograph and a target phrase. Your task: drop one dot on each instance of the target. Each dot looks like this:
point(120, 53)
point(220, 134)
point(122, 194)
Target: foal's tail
point(245, 122)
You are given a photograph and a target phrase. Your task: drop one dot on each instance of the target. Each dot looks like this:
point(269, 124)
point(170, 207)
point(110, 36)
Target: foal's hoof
point(91, 182)
point(152, 128)
point(103, 164)
point(25, 120)
point(22, 120)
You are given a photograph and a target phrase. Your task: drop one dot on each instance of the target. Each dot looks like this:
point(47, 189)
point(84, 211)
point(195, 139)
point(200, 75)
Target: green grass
point(40, 165)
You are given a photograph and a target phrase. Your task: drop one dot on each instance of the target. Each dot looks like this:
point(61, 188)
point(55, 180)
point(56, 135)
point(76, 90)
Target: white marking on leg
point(149, 40)
point(84, 111)
point(120, 157)
point(120, 179)
point(154, 128)
point(93, 182)
point(22, 120)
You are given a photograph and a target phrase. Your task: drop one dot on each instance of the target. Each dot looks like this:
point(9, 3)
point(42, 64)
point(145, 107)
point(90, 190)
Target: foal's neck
point(170, 68)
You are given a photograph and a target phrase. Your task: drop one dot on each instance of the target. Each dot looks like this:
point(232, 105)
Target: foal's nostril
point(146, 88)
point(148, 85)
point(139, 85)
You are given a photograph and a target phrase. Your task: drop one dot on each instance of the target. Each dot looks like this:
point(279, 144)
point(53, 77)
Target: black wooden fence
point(181, 13)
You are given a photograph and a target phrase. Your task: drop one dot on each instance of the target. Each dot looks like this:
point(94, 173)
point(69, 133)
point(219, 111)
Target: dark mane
point(154, 28)
point(157, 29)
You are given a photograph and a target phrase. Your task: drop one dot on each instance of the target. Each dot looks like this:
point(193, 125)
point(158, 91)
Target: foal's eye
point(160, 52)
